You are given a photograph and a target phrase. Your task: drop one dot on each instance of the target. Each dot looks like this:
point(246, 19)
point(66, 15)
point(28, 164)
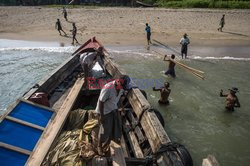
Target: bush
point(204, 4)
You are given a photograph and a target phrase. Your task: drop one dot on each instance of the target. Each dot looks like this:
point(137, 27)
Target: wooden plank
point(24, 123)
point(137, 129)
point(54, 126)
point(52, 80)
point(14, 148)
point(37, 105)
point(117, 154)
point(133, 141)
point(152, 127)
point(124, 147)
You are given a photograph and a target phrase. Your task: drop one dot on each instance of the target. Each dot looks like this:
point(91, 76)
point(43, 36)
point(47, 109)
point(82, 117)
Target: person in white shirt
point(107, 108)
point(184, 45)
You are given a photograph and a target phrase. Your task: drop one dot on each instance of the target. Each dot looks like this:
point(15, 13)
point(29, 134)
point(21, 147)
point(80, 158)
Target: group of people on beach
point(231, 98)
point(58, 26)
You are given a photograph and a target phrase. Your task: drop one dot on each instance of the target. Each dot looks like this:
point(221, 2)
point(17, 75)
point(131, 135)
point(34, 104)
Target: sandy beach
point(125, 26)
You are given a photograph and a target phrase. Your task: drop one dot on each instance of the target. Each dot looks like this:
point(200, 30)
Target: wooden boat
point(29, 128)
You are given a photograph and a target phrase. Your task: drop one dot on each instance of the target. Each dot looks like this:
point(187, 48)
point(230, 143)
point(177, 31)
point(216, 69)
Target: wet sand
point(125, 26)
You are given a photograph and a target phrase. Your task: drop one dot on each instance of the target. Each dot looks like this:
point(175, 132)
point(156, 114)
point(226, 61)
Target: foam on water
point(69, 49)
point(220, 58)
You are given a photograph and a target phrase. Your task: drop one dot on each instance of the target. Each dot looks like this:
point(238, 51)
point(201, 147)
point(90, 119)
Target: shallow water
point(195, 116)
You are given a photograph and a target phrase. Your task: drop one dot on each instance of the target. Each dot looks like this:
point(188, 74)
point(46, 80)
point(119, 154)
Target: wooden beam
point(133, 141)
point(24, 123)
point(37, 105)
point(14, 148)
point(52, 80)
point(55, 126)
point(117, 154)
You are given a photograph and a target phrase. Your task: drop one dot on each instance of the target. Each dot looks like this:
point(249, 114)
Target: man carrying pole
point(171, 66)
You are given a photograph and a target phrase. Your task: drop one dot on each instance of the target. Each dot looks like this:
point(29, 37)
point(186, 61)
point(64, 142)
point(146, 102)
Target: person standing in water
point(184, 45)
point(65, 14)
point(74, 31)
point(171, 66)
point(231, 99)
point(148, 31)
point(165, 91)
point(222, 23)
point(59, 27)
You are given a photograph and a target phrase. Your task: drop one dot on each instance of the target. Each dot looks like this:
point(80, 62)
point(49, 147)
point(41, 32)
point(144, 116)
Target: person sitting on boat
point(107, 108)
point(165, 91)
point(92, 63)
point(171, 70)
point(231, 99)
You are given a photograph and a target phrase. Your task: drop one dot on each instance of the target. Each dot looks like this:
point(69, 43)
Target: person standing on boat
point(222, 23)
point(171, 66)
point(65, 14)
point(231, 99)
point(59, 27)
point(184, 45)
point(148, 31)
point(107, 108)
point(165, 91)
point(74, 32)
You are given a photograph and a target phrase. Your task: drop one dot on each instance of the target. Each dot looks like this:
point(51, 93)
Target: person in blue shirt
point(148, 30)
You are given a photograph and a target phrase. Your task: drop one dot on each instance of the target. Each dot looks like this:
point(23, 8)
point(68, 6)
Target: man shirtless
point(231, 99)
point(165, 91)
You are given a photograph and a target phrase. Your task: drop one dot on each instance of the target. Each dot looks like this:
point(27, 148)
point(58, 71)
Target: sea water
point(195, 117)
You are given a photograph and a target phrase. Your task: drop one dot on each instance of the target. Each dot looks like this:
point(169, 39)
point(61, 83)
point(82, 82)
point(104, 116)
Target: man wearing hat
point(184, 44)
point(231, 99)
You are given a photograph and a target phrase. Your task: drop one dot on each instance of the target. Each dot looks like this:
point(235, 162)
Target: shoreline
point(125, 26)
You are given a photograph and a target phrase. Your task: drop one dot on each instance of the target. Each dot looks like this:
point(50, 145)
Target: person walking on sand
point(165, 91)
point(184, 45)
point(231, 99)
point(171, 66)
point(65, 14)
point(58, 26)
point(222, 23)
point(74, 31)
point(148, 31)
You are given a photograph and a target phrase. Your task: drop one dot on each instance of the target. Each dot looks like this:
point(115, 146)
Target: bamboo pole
point(193, 71)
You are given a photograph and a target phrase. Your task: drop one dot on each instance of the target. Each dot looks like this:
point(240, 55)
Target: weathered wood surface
point(124, 147)
point(117, 154)
point(52, 80)
point(152, 127)
point(133, 141)
point(210, 161)
point(24, 123)
point(55, 126)
point(137, 130)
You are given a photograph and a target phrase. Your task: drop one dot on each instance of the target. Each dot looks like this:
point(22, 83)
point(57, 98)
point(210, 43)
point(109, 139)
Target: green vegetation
point(230, 4)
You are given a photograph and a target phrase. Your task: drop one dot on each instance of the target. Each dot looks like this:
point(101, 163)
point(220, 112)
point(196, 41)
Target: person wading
point(165, 91)
point(222, 23)
point(148, 31)
point(171, 66)
point(231, 99)
point(58, 26)
point(107, 109)
point(74, 31)
point(184, 45)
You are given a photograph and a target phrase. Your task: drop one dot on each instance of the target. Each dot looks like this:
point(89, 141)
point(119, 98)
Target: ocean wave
point(69, 49)
point(130, 52)
point(220, 58)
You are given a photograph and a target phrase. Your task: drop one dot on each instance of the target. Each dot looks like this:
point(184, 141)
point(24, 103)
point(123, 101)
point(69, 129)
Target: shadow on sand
point(233, 33)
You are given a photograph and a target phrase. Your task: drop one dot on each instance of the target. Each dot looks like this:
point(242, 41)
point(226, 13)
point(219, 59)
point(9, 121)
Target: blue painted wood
point(31, 113)
point(22, 136)
point(12, 158)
